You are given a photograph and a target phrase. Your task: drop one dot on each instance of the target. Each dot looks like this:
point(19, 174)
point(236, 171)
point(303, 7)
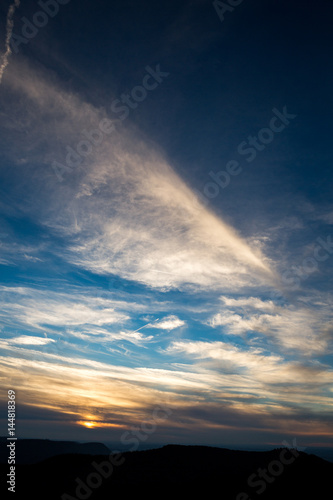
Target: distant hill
point(178, 471)
point(30, 451)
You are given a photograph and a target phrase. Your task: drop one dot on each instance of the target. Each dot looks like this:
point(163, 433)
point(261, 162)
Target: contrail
point(9, 30)
point(144, 326)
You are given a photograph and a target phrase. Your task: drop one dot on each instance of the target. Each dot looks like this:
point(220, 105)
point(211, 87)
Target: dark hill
point(29, 451)
point(178, 471)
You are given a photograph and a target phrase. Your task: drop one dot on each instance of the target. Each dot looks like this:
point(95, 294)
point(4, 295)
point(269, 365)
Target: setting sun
point(90, 425)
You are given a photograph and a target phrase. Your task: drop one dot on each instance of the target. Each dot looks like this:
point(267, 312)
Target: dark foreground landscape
point(89, 471)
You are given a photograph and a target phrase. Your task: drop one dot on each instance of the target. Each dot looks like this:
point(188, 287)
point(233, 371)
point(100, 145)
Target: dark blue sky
point(166, 219)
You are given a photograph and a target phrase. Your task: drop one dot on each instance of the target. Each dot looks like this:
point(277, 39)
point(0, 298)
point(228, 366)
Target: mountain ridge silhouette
point(176, 470)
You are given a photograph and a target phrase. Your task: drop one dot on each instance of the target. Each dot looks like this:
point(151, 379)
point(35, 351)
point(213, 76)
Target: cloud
point(302, 328)
point(9, 30)
point(252, 302)
point(168, 323)
point(125, 210)
point(223, 386)
point(270, 379)
point(30, 340)
point(103, 336)
point(40, 308)
point(79, 319)
point(229, 357)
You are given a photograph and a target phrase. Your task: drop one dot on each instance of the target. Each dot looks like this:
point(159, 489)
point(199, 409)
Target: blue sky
point(166, 220)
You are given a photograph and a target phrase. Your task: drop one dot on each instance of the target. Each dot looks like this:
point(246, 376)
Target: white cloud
point(30, 340)
point(37, 308)
point(294, 327)
point(102, 336)
point(250, 302)
point(227, 355)
point(254, 365)
point(126, 211)
point(168, 323)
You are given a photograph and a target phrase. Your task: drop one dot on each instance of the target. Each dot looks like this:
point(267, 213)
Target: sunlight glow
point(90, 425)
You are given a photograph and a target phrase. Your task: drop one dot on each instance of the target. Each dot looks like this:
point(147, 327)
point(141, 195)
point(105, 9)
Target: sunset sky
point(166, 220)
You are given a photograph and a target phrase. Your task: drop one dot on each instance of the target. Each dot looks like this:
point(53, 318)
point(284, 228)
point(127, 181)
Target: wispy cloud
point(299, 327)
point(252, 372)
point(103, 336)
point(9, 30)
point(222, 387)
point(42, 308)
point(127, 211)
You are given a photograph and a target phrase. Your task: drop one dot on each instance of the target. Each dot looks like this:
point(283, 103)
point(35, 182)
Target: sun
point(90, 425)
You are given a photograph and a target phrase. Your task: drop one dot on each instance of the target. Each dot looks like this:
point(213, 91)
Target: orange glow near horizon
point(89, 425)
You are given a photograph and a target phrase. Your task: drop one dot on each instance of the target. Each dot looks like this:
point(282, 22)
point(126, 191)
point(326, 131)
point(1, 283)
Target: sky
point(166, 243)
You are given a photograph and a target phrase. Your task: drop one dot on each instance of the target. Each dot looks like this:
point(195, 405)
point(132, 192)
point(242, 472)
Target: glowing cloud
point(125, 210)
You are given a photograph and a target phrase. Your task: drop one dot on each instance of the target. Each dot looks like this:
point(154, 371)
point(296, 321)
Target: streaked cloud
point(271, 380)
point(38, 308)
point(127, 211)
point(298, 327)
point(9, 30)
point(223, 387)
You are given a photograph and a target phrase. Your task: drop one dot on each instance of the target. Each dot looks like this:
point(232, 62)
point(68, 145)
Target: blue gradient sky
point(166, 220)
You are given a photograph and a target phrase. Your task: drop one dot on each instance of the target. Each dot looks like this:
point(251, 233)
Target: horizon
point(166, 244)
point(324, 452)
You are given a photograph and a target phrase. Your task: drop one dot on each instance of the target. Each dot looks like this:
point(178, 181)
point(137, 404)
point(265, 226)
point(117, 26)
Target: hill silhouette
point(177, 470)
point(31, 451)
